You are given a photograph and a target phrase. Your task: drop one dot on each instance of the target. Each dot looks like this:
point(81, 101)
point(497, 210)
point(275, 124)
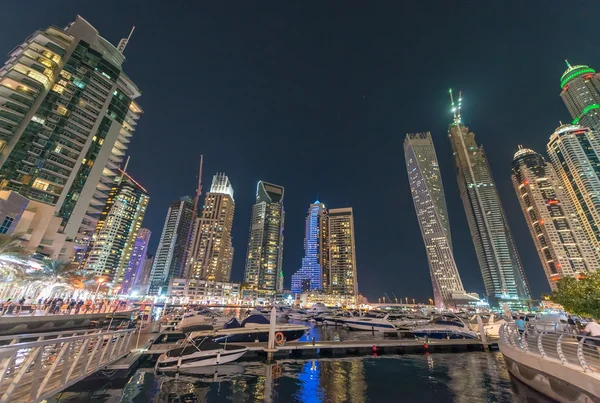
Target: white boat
point(370, 323)
point(446, 326)
point(299, 315)
point(203, 354)
point(201, 319)
point(253, 328)
point(338, 318)
point(491, 325)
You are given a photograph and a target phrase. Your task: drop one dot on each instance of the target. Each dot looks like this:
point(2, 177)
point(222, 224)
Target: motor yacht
point(199, 354)
point(253, 328)
point(445, 326)
point(370, 322)
point(202, 319)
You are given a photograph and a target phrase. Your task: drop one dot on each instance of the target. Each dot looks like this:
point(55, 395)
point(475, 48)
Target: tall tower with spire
point(501, 268)
point(581, 94)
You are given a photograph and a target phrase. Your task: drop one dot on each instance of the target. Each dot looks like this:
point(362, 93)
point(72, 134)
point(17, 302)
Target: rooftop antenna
point(455, 107)
point(123, 42)
point(194, 214)
point(124, 169)
point(568, 64)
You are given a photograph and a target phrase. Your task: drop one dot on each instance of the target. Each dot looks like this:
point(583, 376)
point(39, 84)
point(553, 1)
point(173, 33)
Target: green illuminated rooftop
point(574, 71)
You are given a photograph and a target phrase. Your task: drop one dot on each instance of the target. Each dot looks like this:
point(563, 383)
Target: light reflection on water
point(454, 377)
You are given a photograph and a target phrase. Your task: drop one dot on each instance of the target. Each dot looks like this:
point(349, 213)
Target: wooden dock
point(353, 347)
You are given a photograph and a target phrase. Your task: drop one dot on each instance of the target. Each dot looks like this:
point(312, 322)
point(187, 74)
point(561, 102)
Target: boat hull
point(443, 334)
point(197, 360)
point(370, 326)
point(262, 335)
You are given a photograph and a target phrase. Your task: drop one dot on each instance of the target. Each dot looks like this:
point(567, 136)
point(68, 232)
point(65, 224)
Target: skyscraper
point(112, 244)
point(168, 262)
point(575, 154)
point(211, 252)
point(430, 205)
point(67, 117)
point(341, 267)
point(581, 94)
point(135, 268)
point(265, 243)
point(316, 251)
point(560, 240)
point(499, 261)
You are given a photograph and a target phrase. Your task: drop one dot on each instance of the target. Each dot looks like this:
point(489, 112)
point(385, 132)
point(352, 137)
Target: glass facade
point(311, 272)
point(211, 252)
point(430, 205)
point(557, 233)
point(112, 244)
point(263, 272)
point(501, 268)
point(168, 261)
point(575, 154)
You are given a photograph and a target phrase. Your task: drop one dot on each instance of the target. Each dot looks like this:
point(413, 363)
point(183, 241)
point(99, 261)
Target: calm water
point(453, 377)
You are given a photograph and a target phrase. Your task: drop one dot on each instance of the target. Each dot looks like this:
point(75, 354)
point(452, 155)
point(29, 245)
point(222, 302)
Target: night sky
point(317, 96)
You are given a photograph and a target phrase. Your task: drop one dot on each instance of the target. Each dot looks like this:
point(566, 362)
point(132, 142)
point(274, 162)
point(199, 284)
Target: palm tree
point(59, 271)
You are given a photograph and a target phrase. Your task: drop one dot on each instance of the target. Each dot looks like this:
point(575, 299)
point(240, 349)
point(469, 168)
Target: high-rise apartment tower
point(168, 261)
point(557, 233)
point(67, 115)
point(575, 154)
point(312, 274)
point(133, 274)
point(341, 266)
point(211, 252)
point(501, 268)
point(581, 94)
point(430, 205)
point(112, 244)
point(264, 258)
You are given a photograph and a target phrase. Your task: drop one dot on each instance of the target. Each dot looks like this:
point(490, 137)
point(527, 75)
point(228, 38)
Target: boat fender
point(374, 348)
point(279, 338)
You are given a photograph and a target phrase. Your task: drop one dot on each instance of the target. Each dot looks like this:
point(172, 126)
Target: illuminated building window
point(40, 184)
point(58, 88)
point(62, 110)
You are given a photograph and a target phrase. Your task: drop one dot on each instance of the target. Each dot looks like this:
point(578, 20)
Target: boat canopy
point(256, 319)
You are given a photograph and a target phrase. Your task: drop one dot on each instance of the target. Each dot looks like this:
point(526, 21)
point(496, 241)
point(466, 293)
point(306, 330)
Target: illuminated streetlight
point(100, 281)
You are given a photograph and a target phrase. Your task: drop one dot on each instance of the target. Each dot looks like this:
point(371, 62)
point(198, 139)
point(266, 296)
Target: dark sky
point(318, 95)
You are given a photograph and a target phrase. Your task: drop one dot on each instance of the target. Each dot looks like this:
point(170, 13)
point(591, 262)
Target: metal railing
point(581, 352)
point(46, 309)
point(35, 370)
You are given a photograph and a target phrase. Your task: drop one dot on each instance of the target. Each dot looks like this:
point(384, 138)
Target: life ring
point(279, 338)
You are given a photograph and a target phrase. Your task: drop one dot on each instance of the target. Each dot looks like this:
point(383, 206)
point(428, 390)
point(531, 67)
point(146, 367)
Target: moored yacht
point(202, 354)
point(253, 328)
point(202, 319)
point(370, 322)
point(445, 326)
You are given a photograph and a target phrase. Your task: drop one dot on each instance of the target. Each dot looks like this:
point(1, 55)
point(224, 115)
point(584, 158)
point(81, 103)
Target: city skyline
point(298, 166)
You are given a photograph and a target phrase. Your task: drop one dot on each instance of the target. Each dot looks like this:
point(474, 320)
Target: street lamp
point(100, 281)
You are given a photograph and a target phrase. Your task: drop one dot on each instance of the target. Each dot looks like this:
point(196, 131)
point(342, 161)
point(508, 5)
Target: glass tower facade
point(113, 241)
point(581, 94)
point(310, 275)
point(264, 258)
point(67, 114)
point(557, 233)
point(575, 154)
point(341, 266)
point(501, 268)
point(135, 268)
point(168, 261)
point(211, 253)
point(430, 205)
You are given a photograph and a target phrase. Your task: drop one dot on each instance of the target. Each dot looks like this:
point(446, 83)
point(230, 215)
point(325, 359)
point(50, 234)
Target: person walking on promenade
point(78, 306)
point(520, 324)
